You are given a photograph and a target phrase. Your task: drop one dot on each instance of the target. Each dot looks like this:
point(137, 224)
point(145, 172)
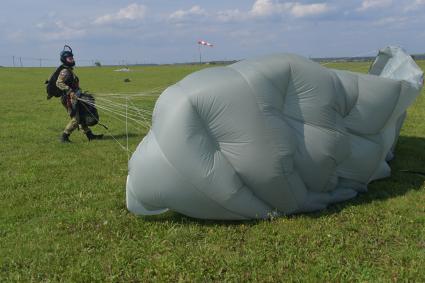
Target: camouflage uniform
point(68, 82)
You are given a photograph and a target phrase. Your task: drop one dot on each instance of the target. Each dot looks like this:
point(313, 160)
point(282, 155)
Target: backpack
point(87, 110)
point(51, 88)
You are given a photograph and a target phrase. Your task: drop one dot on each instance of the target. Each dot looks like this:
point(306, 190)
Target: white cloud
point(414, 5)
point(370, 4)
point(231, 15)
point(186, 14)
point(130, 13)
point(266, 8)
point(263, 8)
point(300, 10)
point(398, 21)
point(269, 7)
point(58, 29)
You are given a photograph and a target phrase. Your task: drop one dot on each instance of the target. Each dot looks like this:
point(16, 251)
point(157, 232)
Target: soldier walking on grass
point(68, 83)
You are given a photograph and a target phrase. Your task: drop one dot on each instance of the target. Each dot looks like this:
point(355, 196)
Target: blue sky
point(166, 31)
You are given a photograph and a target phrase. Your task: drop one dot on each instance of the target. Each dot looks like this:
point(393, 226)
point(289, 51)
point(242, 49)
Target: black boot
point(65, 138)
point(91, 136)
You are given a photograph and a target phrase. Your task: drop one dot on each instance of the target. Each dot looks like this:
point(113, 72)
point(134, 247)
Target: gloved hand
point(78, 93)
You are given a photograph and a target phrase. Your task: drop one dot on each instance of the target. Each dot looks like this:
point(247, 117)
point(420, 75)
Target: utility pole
point(40, 61)
point(20, 61)
point(13, 57)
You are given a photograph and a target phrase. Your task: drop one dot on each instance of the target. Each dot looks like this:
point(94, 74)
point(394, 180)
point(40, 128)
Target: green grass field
point(63, 214)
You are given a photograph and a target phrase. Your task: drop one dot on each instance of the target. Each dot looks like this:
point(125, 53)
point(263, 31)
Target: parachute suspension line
point(110, 112)
point(124, 94)
point(107, 101)
point(118, 119)
point(126, 127)
point(118, 113)
point(125, 149)
point(113, 137)
point(154, 91)
point(120, 105)
point(128, 111)
point(374, 51)
point(141, 115)
point(122, 114)
point(132, 112)
point(135, 111)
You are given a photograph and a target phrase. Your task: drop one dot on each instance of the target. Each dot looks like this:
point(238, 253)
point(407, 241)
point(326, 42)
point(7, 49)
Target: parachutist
point(80, 106)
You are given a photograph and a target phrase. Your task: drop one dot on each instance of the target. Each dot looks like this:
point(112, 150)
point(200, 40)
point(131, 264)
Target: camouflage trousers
point(73, 124)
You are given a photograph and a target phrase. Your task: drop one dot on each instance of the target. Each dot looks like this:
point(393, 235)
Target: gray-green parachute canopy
point(271, 136)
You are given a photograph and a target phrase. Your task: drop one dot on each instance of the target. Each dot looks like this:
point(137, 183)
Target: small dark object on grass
point(127, 80)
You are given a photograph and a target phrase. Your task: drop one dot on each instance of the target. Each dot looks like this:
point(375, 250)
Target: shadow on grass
point(120, 136)
point(410, 155)
point(106, 135)
point(176, 217)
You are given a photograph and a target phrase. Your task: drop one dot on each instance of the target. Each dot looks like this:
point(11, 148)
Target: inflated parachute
point(271, 136)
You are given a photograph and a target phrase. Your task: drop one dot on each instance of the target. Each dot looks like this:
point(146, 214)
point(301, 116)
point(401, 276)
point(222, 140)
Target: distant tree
point(97, 64)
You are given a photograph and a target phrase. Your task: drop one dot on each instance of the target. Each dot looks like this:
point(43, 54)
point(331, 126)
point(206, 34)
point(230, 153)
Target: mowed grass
point(63, 214)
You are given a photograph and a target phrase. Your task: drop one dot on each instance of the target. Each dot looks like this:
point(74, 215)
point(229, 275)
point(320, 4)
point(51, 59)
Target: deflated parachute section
point(270, 136)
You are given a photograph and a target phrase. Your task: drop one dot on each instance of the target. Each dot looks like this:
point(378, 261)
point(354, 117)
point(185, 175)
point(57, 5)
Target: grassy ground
point(63, 215)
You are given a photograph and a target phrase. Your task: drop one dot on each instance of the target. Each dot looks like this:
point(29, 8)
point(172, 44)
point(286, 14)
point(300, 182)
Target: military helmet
point(65, 53)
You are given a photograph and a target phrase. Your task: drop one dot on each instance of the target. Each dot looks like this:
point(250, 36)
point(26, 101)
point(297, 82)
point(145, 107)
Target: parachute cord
point(131, 112)
point(152, 92)
point(115, 116)
point(120, 109)
point(125, 149)
point(126, 127)
point(118, 114)
point(354, 56)
point(141, 115)
point(120, 105)
point(132, 116)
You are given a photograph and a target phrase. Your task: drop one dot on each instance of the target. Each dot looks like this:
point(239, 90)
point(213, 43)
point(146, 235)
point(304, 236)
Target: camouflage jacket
point(67, 80)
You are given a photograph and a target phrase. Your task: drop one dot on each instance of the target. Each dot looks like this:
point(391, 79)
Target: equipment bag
point(87, 110)
point(51, 88)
